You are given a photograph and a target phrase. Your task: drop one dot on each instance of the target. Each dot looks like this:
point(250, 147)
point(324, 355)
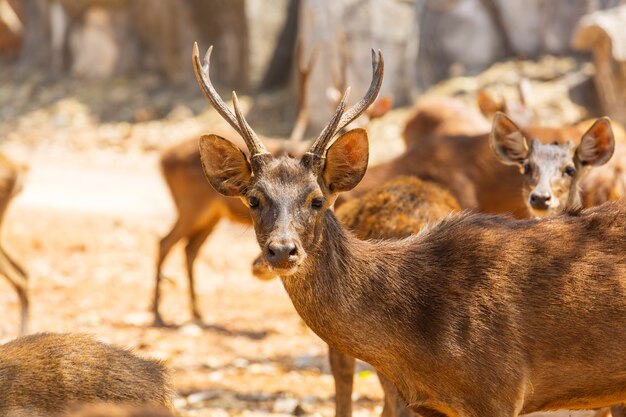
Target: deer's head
point(551, 172)
point(287, 197)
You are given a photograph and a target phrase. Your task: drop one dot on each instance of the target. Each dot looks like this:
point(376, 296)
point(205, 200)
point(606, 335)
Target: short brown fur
point(48, 373)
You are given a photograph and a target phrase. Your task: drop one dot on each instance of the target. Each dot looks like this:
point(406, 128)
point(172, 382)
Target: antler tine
point(204, 81)
point(252, 141)
point(319, 147)
point(378, 71)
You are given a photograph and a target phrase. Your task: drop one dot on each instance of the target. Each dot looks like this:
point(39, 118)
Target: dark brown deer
point(394, 210)
point(49, 373)
point(11, 180)
point(199, 207)
point(480, 315)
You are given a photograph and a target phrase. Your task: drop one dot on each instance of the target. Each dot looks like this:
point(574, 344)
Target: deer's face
point(551, 172)
point(287, 198)
point(549, 176)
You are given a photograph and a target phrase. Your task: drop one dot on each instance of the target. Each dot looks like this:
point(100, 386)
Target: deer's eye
point(569, 170)
point(526, 168)
point(317, 202)
point(253, 202)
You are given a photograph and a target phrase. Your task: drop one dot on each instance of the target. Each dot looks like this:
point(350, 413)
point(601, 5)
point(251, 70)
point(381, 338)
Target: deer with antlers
point(199, 207)
point(479, 315)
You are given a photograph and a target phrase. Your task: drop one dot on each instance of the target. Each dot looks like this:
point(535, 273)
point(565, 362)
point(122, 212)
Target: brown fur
point(396, 209)
point(480, 315)
point(443, 116)
point(11, 181)
point(47, 373)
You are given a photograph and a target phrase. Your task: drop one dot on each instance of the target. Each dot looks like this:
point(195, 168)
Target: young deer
point(480, 315)
point(551, 172)
point(11, 180)
point(48, 373)
point(198, 206)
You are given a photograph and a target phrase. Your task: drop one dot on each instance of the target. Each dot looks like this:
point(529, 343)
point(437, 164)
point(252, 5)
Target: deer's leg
point(342, 367)
point(15, 264)
point(18, 280)
point(618, 410)
point(394, 406)
point(166, 244)
point(191, 252)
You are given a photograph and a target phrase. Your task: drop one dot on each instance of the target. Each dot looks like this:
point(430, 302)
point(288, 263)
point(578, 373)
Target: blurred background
point(93, 92)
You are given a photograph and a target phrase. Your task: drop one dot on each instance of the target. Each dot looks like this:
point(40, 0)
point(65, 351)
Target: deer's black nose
point(540, 201)
point(282, 254)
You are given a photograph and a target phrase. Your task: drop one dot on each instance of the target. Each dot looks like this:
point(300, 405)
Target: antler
point(238, 122)
point(304, 70)
point(341, 119)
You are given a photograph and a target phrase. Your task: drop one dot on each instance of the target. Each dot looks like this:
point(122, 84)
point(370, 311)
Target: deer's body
point(481, 315)
point(395, 210)
point(11, 182)
point(47, 373)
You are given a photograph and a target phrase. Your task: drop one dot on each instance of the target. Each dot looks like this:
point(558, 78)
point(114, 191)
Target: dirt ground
point(86, 227)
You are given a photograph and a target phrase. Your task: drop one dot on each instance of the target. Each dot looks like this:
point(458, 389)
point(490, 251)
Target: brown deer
point(198, 206)
point(11, 180)
point(607, 183)
point(551, 172)
point(48, 373)
point(394, 210)
point(466, 165)
point(480, 315)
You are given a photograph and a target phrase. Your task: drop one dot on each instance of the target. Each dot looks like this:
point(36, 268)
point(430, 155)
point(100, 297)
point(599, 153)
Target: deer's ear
point(488, 105)
point(597, 144)
point(381, 106)
point(507, 141)
point(225, 166)
point(346, 161)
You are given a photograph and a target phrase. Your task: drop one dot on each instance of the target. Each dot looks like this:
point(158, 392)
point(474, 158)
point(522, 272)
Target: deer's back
point(47, 372)
point(462, 164)
point(396, 209)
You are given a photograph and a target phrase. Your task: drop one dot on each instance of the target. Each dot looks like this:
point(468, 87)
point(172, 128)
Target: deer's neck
point(347, 287)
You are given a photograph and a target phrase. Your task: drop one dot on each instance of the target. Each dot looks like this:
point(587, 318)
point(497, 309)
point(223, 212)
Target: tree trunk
point(279, 69)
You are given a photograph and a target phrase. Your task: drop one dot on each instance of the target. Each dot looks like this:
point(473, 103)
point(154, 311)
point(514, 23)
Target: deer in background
point(551, 172)
point(49, 373)
point(11, 182)
point(480, 315)
point(199, 207)
point(598, 186)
